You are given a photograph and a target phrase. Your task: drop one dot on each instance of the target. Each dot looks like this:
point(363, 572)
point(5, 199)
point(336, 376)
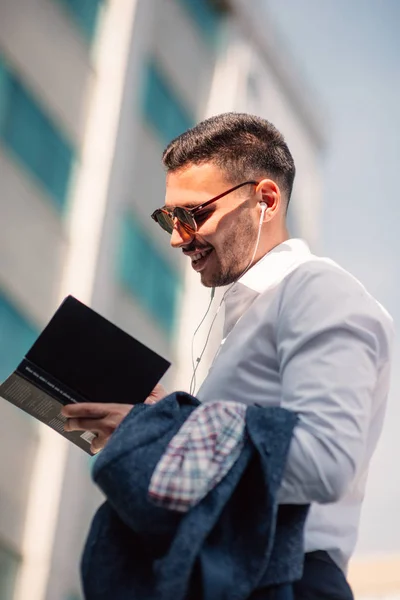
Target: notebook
point(81, 357)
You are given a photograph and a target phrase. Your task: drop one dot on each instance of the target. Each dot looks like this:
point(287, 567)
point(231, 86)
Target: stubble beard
point(235, 254)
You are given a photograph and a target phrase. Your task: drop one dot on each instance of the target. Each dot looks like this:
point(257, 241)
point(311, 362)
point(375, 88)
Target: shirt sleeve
point(332, 341)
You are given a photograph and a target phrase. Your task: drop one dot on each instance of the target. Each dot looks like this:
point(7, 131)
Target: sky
point(349, 51)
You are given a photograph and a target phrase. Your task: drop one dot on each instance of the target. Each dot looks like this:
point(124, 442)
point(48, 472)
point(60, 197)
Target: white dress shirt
point(302, 333)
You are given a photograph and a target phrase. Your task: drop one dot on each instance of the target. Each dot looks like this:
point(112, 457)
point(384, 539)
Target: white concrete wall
point(183, 53)
point(51, 55)
point(79, 500)
point(137, 184)
point(148, 190)
point(124, 186)
point(19, 440)
point(100, 194)
point(32, 242)
point(44, 47)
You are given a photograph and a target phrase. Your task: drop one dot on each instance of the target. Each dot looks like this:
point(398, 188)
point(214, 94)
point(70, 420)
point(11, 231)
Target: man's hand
point(101, 418)
point(156, 395)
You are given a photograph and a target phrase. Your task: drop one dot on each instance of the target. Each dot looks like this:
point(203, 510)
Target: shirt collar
point(272, 267)
point(268, 272)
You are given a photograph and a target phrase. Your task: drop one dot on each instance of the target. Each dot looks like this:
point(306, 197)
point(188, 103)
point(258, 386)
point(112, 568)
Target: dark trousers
point(322, 580)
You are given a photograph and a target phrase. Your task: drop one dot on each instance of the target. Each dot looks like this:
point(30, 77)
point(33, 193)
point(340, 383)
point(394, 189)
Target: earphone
point(192, 388)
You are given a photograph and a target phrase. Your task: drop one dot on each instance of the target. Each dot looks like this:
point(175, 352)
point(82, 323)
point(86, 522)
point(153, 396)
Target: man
point(299, 331)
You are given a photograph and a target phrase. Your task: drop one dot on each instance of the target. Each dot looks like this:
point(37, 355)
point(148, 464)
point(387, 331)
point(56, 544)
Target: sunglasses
point(166, 217)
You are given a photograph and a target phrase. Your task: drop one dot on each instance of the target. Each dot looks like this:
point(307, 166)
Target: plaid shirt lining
point(199, 455)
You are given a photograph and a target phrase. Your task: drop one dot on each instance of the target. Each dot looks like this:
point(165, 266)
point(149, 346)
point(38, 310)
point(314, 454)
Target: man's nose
point(180, 237)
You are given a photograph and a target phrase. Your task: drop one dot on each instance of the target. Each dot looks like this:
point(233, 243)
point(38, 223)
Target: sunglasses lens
point(186, 220)
point(165, 221)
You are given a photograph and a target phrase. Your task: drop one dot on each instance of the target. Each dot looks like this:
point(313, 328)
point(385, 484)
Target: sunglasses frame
point(171, 213)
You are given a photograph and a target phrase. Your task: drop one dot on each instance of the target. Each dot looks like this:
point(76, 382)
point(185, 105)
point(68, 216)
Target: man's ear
point(270, 195)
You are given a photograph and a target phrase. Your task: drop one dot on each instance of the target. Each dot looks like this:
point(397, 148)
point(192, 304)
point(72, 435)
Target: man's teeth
point(200, 255)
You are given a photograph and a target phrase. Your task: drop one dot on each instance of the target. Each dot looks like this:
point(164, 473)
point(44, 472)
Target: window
point(33, 138)
point(161, 106)
point(206, 17)
point(146, 275)
point(85, 13)
point(16, 337)
point(3, 92)
point(9, 562)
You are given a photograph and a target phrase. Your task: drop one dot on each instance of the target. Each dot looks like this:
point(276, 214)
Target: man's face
point(226, 235)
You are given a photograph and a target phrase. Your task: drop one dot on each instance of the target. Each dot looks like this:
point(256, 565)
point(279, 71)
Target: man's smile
point(199, 257)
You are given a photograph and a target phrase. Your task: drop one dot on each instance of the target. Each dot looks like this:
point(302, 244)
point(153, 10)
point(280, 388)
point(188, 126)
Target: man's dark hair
point(244, 146)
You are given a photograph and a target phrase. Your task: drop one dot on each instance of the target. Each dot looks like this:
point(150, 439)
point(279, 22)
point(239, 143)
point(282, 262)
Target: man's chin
point(207, 281)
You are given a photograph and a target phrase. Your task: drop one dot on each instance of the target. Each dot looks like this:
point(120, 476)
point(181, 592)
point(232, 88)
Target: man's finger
point(151, 400)
point(91, 410)
point(98, 444)
point(93, 425)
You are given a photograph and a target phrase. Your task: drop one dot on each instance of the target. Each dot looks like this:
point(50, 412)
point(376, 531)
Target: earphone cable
point(195, 366)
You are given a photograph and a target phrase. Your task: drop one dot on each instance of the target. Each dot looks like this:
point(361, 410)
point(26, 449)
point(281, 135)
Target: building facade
point(91, 91)
point(46, 71)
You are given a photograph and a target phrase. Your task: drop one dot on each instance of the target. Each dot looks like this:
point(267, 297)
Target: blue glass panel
point(137, 259)
point(9, 563)
point(16, 337)
point(4, 91)
point(147, 276)
point(29, 133)
point(162, 107)
point(206, 17)
point(85, 13)
point(164, 304)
